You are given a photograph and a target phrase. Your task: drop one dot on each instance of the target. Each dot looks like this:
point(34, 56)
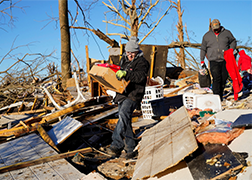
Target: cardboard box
point(107, 78)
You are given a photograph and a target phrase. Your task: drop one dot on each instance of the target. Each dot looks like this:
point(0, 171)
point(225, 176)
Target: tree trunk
point(65, 42)
point(133, 19)
point(180, 35)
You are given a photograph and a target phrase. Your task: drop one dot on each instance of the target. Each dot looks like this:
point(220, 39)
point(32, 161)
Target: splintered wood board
point(200, 169)
point(32, 147)
point(63, 129)
point(165, 145)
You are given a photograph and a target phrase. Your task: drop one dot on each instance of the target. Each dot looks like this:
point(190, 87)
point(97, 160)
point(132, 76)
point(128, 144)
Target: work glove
point(203, 65)
point(120, 74)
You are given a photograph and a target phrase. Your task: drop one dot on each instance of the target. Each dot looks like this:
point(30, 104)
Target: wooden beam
point(93, 119)
point(16, 131)
point(43, 160)
point(152, 61)
point(28, 112)
point(35, 100)
point(177, 90)
point(88, 68)
point(121, 52)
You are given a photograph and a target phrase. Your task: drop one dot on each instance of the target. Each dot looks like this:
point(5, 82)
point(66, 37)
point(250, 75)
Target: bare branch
point(155, 25)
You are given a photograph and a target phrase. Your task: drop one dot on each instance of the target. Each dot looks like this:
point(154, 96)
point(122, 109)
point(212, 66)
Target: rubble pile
point(188, 133)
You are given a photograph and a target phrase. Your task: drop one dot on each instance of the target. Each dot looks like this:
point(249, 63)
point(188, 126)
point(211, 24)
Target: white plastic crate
point(153, 92)
point(146, 110)
point(202, 101)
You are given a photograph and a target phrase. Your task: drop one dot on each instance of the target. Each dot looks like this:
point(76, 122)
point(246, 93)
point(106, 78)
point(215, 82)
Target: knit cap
point(132, 45)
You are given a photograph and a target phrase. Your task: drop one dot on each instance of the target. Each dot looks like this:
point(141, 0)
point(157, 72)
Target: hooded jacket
point(214, 46)
point(137, 71)
point(244, 62)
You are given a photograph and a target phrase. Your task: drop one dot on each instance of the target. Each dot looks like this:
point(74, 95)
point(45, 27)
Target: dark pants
point(220, 74)
point(123, 136)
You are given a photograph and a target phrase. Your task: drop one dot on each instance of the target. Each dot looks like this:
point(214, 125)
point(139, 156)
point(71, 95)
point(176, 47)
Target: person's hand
point(120, 74)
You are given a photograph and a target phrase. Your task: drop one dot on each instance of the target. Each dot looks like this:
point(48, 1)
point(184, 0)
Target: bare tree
point(65, 42)
point(179, 26)
point(6, 16)
point(131, 17)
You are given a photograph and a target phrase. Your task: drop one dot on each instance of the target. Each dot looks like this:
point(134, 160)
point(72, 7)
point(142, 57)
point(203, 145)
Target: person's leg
point(126, 114)
point(215, 69)
point(123, 131)
point(224, 76)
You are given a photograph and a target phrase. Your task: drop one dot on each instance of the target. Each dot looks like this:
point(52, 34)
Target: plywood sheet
point(32, 147)
point(165, 145)
point(63, 129)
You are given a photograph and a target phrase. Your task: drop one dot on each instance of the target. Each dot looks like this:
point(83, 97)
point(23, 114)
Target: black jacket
point(137, 71)
point(214, 46)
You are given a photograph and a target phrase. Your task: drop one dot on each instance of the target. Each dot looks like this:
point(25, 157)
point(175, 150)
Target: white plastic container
point(202, 101)
point(146, 110)
point(151, 93)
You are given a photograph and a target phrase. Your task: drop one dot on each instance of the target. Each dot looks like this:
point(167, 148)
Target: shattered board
point(244, 120)
point(63, 129)
point(212, 161)
point(165, 145)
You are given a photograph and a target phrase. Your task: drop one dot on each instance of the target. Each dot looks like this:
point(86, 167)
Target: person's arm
point(232, 41)
point(203, 50)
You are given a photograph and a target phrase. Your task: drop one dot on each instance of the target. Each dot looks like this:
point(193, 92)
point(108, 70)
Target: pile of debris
point(183, 132)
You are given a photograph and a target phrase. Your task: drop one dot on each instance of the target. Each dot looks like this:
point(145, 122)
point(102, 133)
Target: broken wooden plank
point(43, 160)
point(28, 112)
point(35, 100)
point(165, 145)
point(100, 116)
point(17, 131)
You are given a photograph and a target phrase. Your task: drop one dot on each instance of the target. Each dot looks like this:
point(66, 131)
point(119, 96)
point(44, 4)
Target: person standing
point(214, 43)
point(134, 68)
